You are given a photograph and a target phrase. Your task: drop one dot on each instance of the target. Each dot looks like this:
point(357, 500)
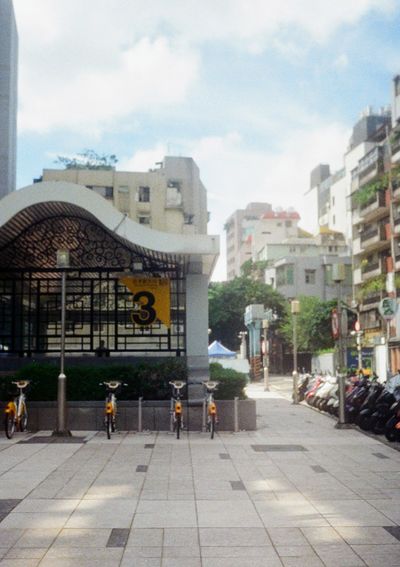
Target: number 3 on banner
point(145, 315)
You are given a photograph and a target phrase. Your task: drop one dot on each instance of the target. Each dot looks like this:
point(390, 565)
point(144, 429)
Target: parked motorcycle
point(392, 426)
point(356, 398)
point(364, 418)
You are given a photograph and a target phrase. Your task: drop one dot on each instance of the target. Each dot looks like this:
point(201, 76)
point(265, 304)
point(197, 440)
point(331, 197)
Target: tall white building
point(329, 193)
point(8, 97)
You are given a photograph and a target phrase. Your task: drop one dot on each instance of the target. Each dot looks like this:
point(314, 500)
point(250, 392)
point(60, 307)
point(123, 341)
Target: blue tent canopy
point(218, 350)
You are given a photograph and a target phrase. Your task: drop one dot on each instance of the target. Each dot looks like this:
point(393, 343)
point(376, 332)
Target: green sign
point(388, 307)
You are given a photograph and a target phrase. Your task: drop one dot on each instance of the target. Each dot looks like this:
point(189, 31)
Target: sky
point(258, 92)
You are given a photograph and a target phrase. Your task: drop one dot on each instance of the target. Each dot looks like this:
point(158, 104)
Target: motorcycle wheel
point(379, 425)
point(391, 433)
point(365, 422)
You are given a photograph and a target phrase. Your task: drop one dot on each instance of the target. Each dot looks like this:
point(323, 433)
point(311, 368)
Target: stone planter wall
point(89, 416)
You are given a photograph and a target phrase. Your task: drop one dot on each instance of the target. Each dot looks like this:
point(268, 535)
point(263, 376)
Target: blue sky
point(258, 92)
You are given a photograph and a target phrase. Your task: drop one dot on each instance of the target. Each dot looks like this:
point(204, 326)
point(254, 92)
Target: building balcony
point(373, 269)
point(371, 301)
point(370, 165)
point(373, 238)
point(374, 208)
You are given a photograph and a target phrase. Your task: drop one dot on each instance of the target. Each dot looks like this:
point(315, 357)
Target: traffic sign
point(388, 308)
point(335, 324)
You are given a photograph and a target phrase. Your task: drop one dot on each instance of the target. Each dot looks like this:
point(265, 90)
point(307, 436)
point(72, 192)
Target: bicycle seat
point(22, 383)
point(112, 385)
point(178, 384)
point(210, 385)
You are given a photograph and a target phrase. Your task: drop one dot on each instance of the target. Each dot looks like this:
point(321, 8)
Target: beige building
point(239, 229)
point(169, 198)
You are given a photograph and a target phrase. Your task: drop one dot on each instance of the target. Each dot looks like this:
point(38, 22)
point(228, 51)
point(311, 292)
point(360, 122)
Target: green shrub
point(231, 382)
point(146, 380)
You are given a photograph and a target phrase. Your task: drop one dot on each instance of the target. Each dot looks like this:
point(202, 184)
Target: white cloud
point(85, 64)
point(143, 160)
point(148, 74)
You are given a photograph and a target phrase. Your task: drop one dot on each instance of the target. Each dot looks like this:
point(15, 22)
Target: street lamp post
point(61, 430)
point(338, 276)
point(265, 353)
point(295, 310)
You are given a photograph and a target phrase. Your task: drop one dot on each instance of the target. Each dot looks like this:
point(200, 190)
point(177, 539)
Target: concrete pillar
point(197, 331)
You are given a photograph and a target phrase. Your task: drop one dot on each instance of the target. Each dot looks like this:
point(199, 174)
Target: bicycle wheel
point(178, 425)
point(108, 425)
point(212, 425)
point(9, 425)
point(23, 420)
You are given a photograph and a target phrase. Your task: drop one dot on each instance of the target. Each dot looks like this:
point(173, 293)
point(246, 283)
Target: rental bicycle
point(211, 407)
point(16, 414)
point(110, 410)
point(176, 407)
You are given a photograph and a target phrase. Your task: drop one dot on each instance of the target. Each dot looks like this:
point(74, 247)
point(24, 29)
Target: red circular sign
point(335, 324)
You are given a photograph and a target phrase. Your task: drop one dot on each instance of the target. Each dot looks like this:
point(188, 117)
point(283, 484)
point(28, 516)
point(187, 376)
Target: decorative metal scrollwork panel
point(89, 244)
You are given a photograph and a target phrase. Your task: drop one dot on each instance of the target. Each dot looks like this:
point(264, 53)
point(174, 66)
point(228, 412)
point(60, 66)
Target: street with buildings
point(103, 268)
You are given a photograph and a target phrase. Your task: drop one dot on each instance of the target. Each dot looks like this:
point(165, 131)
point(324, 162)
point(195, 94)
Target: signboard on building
point(151, 300)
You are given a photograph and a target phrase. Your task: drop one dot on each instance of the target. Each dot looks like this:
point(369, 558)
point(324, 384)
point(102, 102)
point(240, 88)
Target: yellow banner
point(151, 300)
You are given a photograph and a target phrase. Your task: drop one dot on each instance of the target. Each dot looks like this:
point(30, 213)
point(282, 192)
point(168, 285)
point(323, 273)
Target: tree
point(88, 159)
point(314, 330)
point(227, 304)
point(254, 270)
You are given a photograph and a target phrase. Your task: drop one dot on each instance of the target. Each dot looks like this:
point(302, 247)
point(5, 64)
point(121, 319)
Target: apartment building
point(169, 198)
point(239, 235)
point(303, 266)
point(329, 191)
point(8, 97)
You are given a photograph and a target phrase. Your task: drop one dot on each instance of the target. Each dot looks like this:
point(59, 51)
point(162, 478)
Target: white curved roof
point(38, 197)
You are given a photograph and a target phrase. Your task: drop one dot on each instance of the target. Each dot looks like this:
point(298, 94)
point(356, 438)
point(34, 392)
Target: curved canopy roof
point(59, 214)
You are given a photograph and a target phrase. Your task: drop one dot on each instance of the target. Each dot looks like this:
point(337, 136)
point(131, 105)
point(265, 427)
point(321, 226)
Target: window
point(334, 219)
point(144, 194)
point(285, 275)
point(292, 249)
point(288, 223)
point(145, 219)
point(333, 201)
point(106, 192)
point(309, 276)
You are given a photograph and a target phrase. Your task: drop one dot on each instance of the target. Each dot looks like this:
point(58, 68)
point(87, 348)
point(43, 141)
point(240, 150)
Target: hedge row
point(231, 382)
point(147, 380)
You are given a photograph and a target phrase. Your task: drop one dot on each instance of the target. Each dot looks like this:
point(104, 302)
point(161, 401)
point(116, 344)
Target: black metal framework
point(98, 306)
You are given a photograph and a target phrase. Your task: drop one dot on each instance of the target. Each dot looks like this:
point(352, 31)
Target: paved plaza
point(296, 492)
